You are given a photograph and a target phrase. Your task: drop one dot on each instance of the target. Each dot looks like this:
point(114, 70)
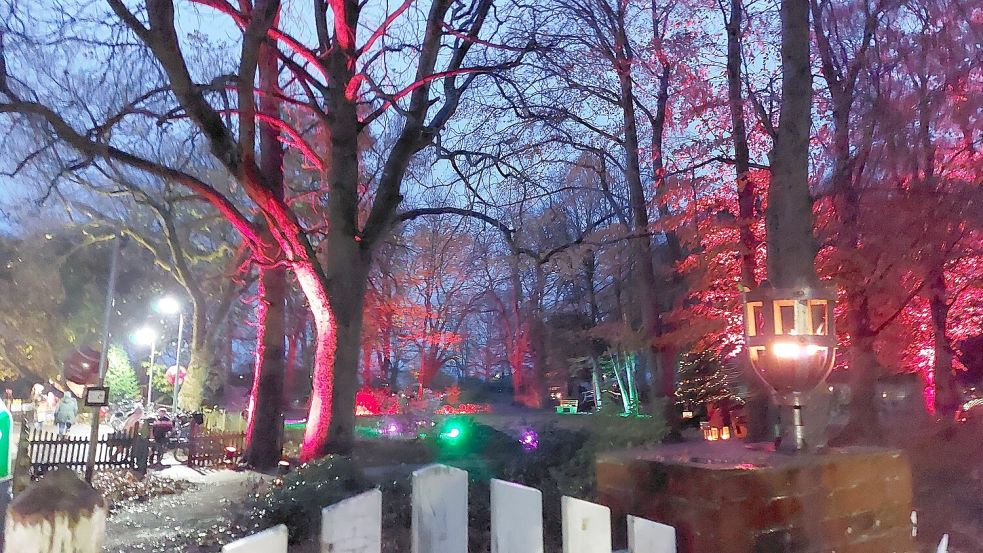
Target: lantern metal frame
point(790, 335)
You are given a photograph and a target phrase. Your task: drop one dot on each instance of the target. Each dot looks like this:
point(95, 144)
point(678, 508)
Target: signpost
point(90, 464)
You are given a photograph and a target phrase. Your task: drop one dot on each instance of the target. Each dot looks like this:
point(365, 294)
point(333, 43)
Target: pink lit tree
point(317, 99)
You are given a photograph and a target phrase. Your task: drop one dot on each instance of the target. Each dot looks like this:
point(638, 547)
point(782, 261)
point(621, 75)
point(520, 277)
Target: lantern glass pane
point(785, 317)
point(755, 318)
point(818, 310)
point(756, 353)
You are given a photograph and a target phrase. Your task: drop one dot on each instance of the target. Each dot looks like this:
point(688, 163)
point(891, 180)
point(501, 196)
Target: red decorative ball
point(172, 371)
point(82, 366)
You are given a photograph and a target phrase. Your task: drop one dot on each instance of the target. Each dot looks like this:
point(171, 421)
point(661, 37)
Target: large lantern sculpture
point(791, 341)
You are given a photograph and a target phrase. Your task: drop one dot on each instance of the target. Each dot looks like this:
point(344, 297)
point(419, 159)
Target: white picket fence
point(440, 522)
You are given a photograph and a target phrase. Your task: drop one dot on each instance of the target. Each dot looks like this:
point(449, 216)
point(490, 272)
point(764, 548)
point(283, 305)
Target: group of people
point(160, 426)
point(61, 408)
point(52, 406)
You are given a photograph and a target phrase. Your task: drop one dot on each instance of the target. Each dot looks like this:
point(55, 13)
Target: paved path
point(153, 527)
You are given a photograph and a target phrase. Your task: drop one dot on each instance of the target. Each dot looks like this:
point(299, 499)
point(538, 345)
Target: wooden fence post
point(58, 514)
point(353, 525)
point(586, 526)
point(645, 536)
point(516, 518)
point(273, 540)
point(440, 510)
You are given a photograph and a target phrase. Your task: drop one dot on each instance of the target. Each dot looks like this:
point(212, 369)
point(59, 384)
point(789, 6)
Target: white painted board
point(353, 525)
point(516, 518)
point(440, 510)
point(586, 526)
point(273, 540)
point(645, 536)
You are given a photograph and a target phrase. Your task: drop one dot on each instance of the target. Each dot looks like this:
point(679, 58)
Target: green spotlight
point(453, 431)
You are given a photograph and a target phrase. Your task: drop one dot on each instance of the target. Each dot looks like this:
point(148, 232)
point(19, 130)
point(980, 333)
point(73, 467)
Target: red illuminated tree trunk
point(742, 153)
point(265, 424)
point(946, 387)
point(515, 325)
point(346, 278)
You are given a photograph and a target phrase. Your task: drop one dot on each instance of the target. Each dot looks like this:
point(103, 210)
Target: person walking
point(32, 414)
point(66, 413)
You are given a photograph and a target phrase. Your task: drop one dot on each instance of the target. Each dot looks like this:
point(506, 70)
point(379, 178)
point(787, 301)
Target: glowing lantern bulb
point(791, 350)
point(787, 350)
point(454, 433)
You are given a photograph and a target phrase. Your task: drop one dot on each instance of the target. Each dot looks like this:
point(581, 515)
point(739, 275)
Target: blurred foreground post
point(58, 514)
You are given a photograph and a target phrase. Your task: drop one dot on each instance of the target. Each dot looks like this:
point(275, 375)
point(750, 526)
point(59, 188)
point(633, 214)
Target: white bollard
point(440, 510)
point(59, 514)
point(353, 525)
point(516, 518)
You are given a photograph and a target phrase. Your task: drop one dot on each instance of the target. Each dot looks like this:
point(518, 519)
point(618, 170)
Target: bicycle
point(177, 440)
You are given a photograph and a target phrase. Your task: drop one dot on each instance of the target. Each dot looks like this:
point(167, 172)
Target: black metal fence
point(124, 449)
point(128, 449)
point(209, 449)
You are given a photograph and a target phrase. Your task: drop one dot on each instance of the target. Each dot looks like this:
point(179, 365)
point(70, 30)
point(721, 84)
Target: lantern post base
point(792, 437)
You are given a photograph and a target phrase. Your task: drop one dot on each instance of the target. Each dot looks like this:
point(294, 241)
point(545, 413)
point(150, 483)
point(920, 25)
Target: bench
point(568, 406)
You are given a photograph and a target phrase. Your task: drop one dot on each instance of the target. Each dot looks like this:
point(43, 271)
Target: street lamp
point(169, 305)
point(147, 336)
point(791, 340)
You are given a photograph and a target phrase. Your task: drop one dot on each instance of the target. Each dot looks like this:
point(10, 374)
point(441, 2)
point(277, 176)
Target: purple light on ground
point(529, 439)
point(393, 429)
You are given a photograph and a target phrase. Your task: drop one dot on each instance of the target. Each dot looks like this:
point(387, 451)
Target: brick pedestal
point(723, 497)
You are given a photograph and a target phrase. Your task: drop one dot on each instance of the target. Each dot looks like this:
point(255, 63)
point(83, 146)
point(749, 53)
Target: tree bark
point(761, 415)
point(265, 425)
point(645, 278)
point(537, 341)
point(863, 425)
point(742, 153)
point(192, 388)
point(346, 291)
point(791, 244)
point(947, 396)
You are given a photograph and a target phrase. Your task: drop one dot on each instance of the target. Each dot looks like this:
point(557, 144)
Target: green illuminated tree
point(120, 377)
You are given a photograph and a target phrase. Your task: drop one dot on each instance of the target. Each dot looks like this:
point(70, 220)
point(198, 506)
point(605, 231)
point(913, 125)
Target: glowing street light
point(791, 341)
point(169, 305)
point(147, 336)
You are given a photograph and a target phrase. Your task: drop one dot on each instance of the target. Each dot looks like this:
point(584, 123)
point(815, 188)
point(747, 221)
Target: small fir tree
point(702, 381)
point(120, 377)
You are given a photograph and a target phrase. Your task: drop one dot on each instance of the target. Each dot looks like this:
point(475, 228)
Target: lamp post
point(791, 340)
point(147, 336)
point(169, 305)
